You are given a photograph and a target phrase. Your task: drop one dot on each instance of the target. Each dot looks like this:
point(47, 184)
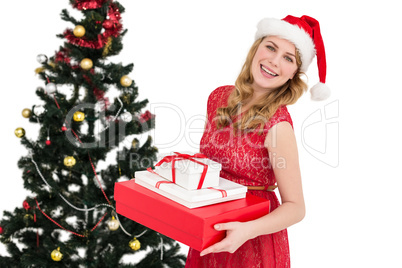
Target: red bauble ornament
point(26, 205)
point(1, 230)
point(48, 142)
point(107, 24)
point(64, 128)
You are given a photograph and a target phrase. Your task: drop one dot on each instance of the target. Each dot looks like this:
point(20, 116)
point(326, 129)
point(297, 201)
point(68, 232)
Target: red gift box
point(193, 227)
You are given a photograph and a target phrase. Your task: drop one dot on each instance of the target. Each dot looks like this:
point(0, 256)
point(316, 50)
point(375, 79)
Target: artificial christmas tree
point(70, 219)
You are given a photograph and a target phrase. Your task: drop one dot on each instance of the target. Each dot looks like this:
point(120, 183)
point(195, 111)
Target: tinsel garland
point(58, 224)
point(88, 4)
point(26, 205)
point(112, 27)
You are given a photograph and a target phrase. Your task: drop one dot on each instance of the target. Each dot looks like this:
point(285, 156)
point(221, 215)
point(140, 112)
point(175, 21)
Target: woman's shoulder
point(222, 91)
point(220, 95)
point(281, 115)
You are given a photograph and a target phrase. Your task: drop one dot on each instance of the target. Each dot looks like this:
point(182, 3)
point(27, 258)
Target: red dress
point(244, 160)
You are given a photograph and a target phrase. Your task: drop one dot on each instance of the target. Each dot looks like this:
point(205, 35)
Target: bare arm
point(282, 148)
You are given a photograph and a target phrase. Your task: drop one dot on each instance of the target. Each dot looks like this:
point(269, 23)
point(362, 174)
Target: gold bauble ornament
point(135, 143)
point(19, 132)
point(125, 81)
point(86, 64)
point(56, 255)
point(79, 116)
point(113, 224)
point(69, 161)
point(28, 218)
point(79, 31)
point(27, 113)
point(135, 244)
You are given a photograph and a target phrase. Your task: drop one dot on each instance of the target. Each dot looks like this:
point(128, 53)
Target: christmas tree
point(70, 219)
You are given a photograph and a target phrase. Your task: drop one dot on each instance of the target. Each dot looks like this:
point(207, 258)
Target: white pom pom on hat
point(305, 34)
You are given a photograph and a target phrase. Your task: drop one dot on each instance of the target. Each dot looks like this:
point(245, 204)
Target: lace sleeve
point(218, 98)
point(280, 115)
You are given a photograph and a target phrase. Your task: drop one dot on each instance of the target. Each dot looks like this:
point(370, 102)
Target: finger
point(206, 251)
point(223, 226)
point(218, 247)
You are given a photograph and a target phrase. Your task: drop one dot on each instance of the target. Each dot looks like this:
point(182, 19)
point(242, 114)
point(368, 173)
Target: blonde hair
point(257, 115)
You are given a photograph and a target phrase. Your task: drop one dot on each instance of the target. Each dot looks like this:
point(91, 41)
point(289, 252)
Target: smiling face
point(274, 63)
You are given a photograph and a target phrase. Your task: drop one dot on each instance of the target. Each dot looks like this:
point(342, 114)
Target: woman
point(250, 132)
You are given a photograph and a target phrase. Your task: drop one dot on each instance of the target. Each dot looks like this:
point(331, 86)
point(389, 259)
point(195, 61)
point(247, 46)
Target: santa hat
point(304, 33)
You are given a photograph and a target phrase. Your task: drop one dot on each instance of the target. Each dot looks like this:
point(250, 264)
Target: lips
point(268, 71)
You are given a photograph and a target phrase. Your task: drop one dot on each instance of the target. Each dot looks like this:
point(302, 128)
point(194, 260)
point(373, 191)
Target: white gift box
point(191, 198)
point(188, 173)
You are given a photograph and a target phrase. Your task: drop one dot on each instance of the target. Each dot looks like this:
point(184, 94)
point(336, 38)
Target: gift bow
point(173, 158)
point(179, 156)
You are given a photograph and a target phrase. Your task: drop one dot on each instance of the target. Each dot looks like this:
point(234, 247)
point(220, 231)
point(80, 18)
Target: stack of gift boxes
point(183, 197)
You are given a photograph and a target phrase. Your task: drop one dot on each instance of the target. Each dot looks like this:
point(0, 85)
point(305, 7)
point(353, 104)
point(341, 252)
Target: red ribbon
point(100, 185)
point(158, 184)
point(223, 192)
point(179, 156)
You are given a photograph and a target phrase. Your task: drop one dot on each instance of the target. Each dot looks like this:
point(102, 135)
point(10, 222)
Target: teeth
point(267, 71)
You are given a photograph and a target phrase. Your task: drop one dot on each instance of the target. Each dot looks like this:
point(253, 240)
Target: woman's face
point(273, 64)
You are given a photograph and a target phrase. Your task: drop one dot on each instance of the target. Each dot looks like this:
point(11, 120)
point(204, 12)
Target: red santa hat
point(304, 33)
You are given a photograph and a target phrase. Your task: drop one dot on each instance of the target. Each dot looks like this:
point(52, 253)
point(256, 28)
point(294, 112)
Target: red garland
point(112, 26)
point(83, 42)
point(62, 56)
point(99, 94)
point(146, 116)
point(88, 4)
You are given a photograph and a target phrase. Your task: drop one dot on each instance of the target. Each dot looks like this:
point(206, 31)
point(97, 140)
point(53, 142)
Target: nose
point(274, 60)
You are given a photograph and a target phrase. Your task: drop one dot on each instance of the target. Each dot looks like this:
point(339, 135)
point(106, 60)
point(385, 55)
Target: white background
point(182, 50)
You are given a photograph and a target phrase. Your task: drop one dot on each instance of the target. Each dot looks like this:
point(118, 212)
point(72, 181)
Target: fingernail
point(217, 227)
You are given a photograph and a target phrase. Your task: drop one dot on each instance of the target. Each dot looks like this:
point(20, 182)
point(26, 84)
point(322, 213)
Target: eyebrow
point(276, 46)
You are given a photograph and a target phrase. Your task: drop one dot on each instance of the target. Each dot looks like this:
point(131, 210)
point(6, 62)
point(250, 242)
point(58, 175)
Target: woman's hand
point(236, 235)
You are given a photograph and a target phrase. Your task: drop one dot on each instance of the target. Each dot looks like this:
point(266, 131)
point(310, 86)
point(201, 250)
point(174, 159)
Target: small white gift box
point(188, 171)
point(226, 191)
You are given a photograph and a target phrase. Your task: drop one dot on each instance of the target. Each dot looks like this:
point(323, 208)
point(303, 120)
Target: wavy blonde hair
point(257, 115)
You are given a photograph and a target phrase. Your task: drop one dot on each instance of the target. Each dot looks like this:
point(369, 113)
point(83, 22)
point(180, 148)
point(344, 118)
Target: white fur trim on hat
point(300, 38)
point(320, 91)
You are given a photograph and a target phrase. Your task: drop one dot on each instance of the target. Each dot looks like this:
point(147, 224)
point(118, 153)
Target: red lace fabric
point(244, 160)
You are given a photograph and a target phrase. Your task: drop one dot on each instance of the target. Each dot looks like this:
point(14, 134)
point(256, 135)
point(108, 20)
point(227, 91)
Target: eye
point(289, 59)
point(271, 48)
